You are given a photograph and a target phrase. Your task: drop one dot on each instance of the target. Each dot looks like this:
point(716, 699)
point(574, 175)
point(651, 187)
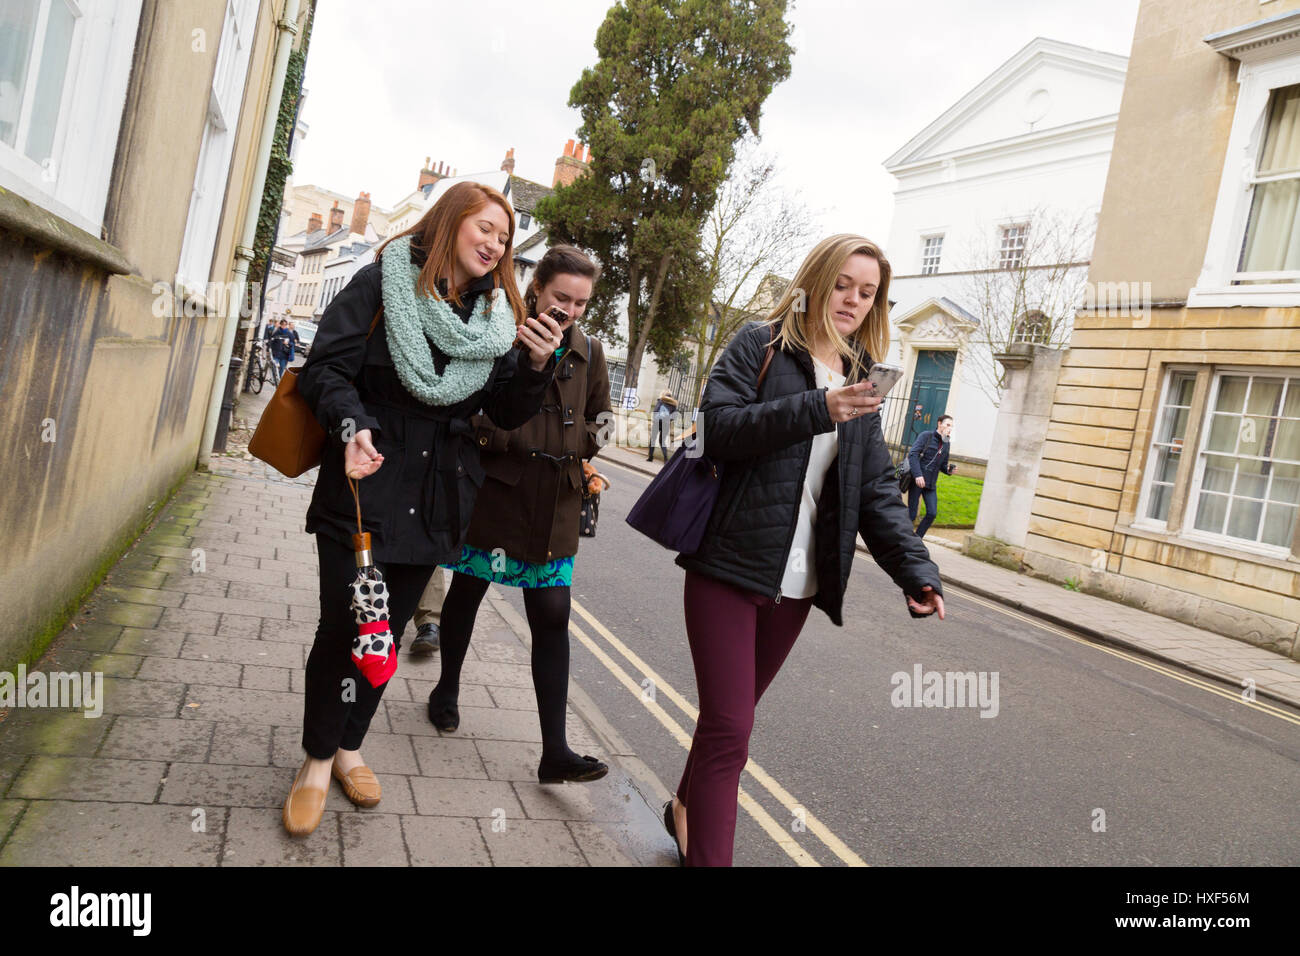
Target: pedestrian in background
point(524, 532)
point(662, 417)
point(282, 344)
point(806, 471)
point(396, 407)
point(928, 457)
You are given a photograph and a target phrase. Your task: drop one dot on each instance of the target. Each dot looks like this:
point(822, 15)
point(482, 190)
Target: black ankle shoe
point(426, 640)
point(446, 717)
point(670, 824)
point(576, 770)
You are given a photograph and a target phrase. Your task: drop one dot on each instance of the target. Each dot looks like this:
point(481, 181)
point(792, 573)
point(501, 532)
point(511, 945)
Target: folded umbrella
point(373, 651)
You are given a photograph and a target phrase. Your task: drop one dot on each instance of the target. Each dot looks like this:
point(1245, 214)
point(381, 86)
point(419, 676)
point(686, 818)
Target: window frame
point(1187, 483)
point(1004, 263)
point(931, 269)
point(216, 150)
point(614, 365)
point(1141, 519)
point(1269, 57)
point(101, 58)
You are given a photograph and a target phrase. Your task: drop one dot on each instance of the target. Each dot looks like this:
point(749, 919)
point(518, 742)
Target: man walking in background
point(928, 457)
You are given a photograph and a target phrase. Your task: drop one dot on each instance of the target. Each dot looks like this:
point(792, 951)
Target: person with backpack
point(928, 457)
point(524, 531)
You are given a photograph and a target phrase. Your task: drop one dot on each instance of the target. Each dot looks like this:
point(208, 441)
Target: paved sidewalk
point(1197, 650)
point(202, 714)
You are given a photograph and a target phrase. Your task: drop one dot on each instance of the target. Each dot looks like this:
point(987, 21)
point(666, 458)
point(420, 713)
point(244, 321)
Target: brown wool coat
point(529, 504)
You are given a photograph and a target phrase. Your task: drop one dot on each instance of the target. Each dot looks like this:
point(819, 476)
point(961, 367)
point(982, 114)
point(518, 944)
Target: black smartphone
point(555, 312)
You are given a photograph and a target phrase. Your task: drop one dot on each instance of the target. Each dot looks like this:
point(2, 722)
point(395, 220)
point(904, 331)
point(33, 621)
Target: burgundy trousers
point(739, 640)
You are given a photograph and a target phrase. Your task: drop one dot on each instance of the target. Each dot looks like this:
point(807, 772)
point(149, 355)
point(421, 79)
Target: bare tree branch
point(1027, 298)
point(755, 229)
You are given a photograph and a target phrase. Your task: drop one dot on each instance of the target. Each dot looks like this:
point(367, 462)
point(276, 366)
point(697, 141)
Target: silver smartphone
point(884, 377)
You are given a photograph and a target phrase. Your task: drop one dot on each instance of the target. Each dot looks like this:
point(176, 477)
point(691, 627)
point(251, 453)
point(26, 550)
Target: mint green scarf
point(412, 322)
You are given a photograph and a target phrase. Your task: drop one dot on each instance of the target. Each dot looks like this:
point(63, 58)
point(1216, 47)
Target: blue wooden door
point(930, 385)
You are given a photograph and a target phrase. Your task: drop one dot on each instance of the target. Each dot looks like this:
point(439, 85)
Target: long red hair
point(435, 234)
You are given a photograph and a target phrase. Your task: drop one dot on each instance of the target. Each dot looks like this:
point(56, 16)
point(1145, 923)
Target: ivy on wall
point(277, 171)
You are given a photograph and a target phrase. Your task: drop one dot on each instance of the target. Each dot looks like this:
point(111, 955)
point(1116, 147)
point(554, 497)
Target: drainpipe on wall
point(287, 28)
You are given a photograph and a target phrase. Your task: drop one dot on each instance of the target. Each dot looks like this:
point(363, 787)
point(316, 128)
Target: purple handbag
point(675, 507)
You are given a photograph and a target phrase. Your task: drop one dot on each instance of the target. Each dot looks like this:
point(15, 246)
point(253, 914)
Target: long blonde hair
point(805, 304)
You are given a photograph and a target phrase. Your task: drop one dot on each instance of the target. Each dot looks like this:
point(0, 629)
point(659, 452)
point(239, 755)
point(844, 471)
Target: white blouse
point(800, 578)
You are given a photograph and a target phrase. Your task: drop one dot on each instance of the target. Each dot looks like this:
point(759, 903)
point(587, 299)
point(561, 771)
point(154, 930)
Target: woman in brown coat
point(524, 530)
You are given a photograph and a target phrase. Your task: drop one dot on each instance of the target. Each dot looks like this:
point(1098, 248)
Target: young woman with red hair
point(396, 407)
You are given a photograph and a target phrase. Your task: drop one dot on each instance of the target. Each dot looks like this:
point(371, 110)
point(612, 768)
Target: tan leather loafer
point(360, 784)
point(303, 808)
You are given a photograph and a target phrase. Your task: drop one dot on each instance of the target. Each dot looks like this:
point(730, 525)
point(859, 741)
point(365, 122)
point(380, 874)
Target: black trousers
point(931, 496)
point(340, 702)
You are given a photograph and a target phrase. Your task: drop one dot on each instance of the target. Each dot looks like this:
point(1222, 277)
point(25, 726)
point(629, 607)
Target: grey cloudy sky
point(392, 81)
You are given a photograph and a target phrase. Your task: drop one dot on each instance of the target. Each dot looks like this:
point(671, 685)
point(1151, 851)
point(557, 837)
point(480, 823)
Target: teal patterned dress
point(500, 568)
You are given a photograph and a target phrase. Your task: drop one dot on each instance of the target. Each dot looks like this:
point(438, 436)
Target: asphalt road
point(1178, 774)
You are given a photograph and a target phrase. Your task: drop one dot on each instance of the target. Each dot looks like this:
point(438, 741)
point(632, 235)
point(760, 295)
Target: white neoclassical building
point(1033, 137)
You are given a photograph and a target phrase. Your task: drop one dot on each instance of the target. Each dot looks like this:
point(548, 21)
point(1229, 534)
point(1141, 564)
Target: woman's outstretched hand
point(543, 335)
point(359, 457)
point(933, 602)
point(851, 401)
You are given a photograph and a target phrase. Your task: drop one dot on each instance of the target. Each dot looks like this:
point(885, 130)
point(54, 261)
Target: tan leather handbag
point(288, 437)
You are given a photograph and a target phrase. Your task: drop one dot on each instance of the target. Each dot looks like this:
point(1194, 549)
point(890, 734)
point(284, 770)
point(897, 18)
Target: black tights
point(548, 619)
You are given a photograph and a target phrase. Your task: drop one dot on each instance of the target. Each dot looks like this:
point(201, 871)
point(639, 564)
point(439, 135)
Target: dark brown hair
point(559, 261)
point(435, 234)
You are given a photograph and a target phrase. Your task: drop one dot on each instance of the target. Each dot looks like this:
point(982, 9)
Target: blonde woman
point(807, 471)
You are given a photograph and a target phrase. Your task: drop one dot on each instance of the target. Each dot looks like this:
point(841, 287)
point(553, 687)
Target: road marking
point(1134, 658)
point(773, 829)
point(783, 796)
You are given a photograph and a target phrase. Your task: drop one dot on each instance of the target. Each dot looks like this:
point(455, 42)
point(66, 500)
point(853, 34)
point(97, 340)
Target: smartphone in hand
point(556, 313)
point(883, 377)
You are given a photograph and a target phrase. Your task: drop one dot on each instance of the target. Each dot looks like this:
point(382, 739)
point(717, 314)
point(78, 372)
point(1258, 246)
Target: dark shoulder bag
point(675, 507)
point(904, 472)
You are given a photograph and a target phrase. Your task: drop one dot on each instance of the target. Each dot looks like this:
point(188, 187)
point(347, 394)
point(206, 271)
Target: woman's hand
point(933, 602)
point(359, 457)
point(847, 403)
point(920, 482)
point(543, 335)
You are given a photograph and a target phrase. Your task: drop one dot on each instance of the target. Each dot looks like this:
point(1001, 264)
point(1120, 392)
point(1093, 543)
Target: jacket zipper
point(785, 556)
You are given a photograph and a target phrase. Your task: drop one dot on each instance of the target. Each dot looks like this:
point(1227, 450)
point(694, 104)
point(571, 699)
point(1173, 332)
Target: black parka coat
point(764, 438)
point(530, 503)
point(417, 505)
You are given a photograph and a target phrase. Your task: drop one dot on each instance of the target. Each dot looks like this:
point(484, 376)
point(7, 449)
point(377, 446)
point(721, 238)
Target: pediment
point(1048, 85)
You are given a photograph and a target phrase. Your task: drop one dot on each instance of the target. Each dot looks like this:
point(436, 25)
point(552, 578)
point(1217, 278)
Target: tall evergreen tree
point(676, 85)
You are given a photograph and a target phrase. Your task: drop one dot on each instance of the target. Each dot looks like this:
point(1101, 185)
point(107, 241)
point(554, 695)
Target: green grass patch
point(959, 501)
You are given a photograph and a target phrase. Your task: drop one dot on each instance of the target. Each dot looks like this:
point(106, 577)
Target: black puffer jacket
point(765, 440)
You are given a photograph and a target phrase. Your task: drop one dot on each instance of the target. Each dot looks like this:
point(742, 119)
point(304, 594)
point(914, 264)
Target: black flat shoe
point(670, 824)
point(577, 770)
point(426, 640)
point(446, 717)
